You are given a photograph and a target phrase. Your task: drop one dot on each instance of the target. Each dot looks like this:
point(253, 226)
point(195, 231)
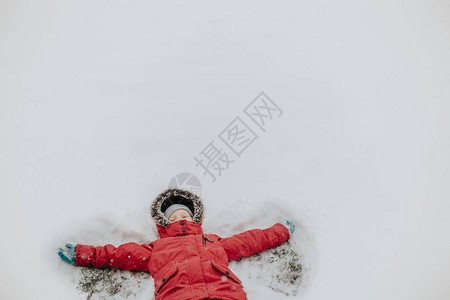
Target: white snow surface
point(103, 102)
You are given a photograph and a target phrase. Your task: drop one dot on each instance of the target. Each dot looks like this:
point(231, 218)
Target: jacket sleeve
point(129, 256)
point(254, 241)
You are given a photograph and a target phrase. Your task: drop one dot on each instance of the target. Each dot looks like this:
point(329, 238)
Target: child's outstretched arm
point(129, 256)
point(254, 241)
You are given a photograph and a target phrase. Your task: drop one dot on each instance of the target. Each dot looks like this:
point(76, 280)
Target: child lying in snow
point(185, 263)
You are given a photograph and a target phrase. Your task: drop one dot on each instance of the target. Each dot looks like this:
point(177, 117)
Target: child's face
point(180, 214)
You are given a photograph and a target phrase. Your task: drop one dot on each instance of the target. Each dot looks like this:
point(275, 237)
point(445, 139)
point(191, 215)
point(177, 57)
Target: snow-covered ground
point(103, 102)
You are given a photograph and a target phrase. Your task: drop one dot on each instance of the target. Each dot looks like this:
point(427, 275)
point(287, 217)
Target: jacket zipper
point(204, 239)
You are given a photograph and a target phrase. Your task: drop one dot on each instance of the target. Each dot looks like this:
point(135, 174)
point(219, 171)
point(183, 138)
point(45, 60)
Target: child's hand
point(289, 225)
point(68, 253)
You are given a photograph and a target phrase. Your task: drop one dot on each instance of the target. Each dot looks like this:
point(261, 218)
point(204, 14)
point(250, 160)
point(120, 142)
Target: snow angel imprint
point(185, 263)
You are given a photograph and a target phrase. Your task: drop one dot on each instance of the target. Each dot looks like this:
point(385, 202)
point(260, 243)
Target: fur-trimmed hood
point(158, 215)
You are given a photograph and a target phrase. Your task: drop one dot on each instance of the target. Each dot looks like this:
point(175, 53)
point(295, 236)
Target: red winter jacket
point(186, 263)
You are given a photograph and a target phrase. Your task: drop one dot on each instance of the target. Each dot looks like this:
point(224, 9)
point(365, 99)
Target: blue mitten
point(68, 253)
point(288, 224)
